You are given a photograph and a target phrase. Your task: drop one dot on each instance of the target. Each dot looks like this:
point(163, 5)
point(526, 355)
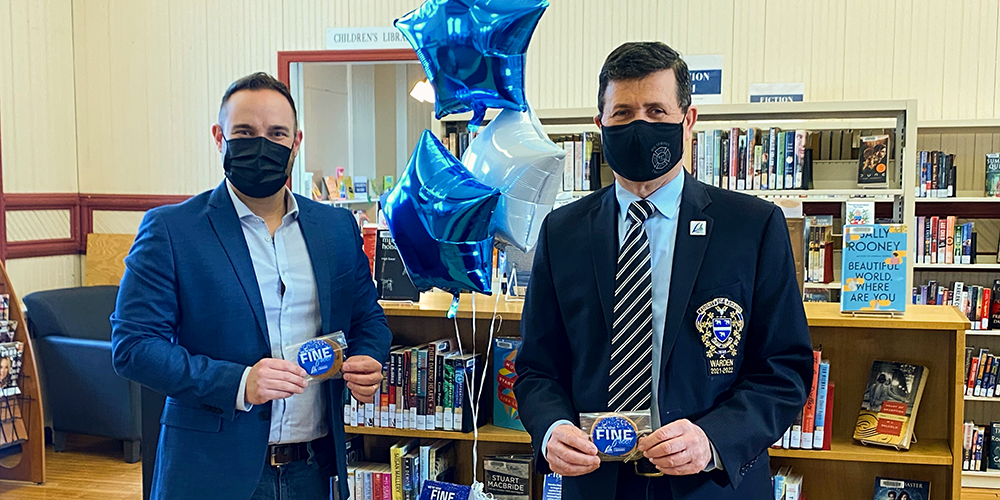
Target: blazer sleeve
point(144, 326)
point(543, 382)
point(369, 334)
point(777, 365)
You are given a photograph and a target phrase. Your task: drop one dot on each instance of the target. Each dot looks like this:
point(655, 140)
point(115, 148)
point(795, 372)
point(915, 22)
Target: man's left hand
point(363, 376)
point(679, 448)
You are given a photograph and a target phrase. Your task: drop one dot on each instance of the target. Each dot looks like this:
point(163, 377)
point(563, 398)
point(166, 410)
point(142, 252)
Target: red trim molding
point(81, 207)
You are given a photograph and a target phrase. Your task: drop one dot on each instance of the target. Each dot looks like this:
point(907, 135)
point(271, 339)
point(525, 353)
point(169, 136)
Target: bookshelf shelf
point(834, 285)
point(979, 398)
point(436, 305)
point(995, 333)
point(931, 452)
point(981, 479)
point(951, 125)
point(959, 267)
point(963, 199)
point(487, 434)
point(347, 202)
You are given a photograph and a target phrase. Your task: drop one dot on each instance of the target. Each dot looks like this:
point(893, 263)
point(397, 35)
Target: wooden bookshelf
point(488, 434)
point(927, 335)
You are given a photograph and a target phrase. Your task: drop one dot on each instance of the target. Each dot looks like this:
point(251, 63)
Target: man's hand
point(272, 379)
point(570, 453)
point(679, 448)
point(363, 376)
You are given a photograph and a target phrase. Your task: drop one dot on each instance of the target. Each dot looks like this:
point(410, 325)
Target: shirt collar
point(667, 199)
point(243, 211)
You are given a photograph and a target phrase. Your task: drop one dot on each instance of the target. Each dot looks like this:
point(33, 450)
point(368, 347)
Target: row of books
point(981, 372)
point(979, 303)
point(423, 388)
point(411, 465)
point(811, 429)
point(819, 259)
point(937, 175)
point(340, 187)
point(787, 486)
point(942, 240)
point(752, 159)
point(582, 170)
point(981, 447)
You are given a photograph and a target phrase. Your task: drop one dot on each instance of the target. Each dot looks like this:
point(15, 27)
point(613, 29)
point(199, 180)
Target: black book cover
point(873, 160)
point(390, 274)
point(973, 250)
point(994, 453)
point(807, 170)
point(994, 309)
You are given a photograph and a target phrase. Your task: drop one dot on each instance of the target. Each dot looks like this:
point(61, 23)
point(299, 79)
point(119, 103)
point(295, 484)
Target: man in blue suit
point(215, 287)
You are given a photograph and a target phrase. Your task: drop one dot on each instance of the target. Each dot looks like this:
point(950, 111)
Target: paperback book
point(890, 404)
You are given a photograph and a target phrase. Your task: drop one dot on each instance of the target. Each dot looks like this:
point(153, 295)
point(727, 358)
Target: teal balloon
point(440, 217)
point(473, 51)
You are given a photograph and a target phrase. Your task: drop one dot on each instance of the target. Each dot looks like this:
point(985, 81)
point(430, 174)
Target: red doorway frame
point(287, 58)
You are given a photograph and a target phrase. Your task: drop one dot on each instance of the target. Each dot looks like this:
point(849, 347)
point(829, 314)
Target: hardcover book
point(993, 174)
point(504, 405)
point(873, 160)
point(899, 489)
point(434, 490)
point(874, 268)
point(890, 404)
point(994, 462)
point(507, 477)
point(391, 279)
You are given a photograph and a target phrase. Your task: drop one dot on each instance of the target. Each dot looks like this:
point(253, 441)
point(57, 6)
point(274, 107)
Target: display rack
point(31, 466)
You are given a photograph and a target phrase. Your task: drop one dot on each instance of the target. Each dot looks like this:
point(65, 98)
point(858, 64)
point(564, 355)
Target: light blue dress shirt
point(292, 316)
point(661, 232)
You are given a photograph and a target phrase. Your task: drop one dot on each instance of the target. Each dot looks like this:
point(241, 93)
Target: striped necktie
point(632, 331)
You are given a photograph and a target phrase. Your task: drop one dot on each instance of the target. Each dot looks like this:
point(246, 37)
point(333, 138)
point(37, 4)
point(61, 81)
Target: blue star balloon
point(440, 217)
point(473, 51)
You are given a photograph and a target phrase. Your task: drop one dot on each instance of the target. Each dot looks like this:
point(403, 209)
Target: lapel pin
point(698, 228)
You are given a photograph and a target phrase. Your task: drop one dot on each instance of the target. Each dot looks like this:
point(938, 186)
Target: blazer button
point(264, 415)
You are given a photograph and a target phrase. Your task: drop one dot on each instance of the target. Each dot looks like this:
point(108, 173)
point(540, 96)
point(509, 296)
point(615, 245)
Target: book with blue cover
point(434, 490)
point(900, 489)
point(873, 268)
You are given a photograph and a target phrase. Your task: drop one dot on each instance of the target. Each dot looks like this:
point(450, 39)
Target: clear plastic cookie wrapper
point(321, 357)
point(617, 434)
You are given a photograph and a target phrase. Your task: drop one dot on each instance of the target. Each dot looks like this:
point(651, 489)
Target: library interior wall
point(116, 97)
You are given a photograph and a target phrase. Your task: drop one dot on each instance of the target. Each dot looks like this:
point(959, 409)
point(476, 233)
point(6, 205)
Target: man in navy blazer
point(217, 286)
point(664, 295)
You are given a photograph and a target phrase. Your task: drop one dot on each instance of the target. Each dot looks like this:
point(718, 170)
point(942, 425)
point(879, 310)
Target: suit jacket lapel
point(604, 229)
point(689, 251)
point(320, 249)
point(227, 227)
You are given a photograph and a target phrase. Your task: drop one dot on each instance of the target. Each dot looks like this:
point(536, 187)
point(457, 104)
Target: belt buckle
point(272, 454)
point(639, 469)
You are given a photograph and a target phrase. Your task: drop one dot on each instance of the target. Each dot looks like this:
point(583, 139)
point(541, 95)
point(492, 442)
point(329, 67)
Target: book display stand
point(24, 459)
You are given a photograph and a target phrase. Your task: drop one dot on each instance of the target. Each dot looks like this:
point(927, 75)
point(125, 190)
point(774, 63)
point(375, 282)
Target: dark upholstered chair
point(72, 335)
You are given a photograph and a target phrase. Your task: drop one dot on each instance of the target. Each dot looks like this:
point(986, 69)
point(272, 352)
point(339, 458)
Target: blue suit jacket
point(190, 319)
point(744, 256)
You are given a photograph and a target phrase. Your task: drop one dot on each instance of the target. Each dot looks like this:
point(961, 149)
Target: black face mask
point(641, 151)
point(256, 166)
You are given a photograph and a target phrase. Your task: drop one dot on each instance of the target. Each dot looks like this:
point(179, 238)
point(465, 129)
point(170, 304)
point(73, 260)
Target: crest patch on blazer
point(720, 322)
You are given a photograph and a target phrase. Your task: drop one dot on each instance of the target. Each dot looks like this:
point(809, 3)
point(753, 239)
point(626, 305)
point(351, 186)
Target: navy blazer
point(189, 320)
point(745, 256)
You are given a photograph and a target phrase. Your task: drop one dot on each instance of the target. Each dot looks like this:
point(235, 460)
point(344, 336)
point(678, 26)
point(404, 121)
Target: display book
point(423, 387)
point(341, 187)
point(981, 447)
point(943, 240)
point(12, 427)
point(873, 269)
point(901, 489)
point(391, 279)
point(993, 174)
point(981, 372)
point(812, 429)
point(753, 159)
point(411, 464)
point(981, 304)
point(505, 412)
point(890, 404)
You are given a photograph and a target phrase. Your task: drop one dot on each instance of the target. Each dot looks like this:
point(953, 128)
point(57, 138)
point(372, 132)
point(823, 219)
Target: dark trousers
point(301, 480)
point(632, 486)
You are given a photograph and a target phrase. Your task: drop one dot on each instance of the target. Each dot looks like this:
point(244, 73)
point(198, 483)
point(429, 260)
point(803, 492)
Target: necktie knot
point(640, 210)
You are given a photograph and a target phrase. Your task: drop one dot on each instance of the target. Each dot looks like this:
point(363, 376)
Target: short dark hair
point(635, 60)
point(258, 81)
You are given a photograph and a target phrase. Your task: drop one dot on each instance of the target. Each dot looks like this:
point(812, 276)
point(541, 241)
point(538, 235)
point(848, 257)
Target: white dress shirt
point(291, 305)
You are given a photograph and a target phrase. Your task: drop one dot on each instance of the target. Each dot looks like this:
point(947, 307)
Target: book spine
point(772, 159)
point(828, 417)
point(701, 159)
point(949, 240)
point(354, 412)
point(780, 161)
point(790, 160)
point(439, 392)
point(412, 391)
point(967, 432)
point(713, 158)
point(786, 439)
point(979, 449)
point(809, 411)
point(459, 393)
point(734, 158)
point(797, 432)
point(978, 390)
point(384, 398)
point(920, 238)
point(935, 157)
point(386, 486)
point(821, 393)
point(431, 403)
point(985, 314)
point(929, 248)
point(994, 372)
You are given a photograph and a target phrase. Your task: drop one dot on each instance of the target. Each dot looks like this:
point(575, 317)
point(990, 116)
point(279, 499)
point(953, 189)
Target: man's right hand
point(570, 453)
point(272, 379)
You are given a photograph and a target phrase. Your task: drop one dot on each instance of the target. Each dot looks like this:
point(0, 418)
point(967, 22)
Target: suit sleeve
point(543, 382)
point(777, 364)
point(369, 334)
point(144, 327)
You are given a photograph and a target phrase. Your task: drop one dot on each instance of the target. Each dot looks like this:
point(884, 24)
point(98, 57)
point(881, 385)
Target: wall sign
point(777, 92)
point(706, 78)
point(365, 38)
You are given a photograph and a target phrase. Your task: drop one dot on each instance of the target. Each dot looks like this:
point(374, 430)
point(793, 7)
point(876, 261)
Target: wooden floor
point(90, 468)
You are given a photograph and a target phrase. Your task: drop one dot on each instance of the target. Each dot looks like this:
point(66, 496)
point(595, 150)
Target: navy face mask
point(641, 151)
point(256, 166)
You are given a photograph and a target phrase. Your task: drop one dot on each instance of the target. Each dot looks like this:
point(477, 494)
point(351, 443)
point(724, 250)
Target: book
point(552, 487)
point(859, 212)
point(968, 430)
point(780, 150)
point(391, 278)
point(790, 160)
point(796, 437)
point(822, 391)
point(567, 183)
point(895, 489)
point(809, 411)
point(778, 482)
point(793, 487)
point(507, 477)
point(874, 268)
point(828, 428)
point(435, 490)
point(977, 455)
point(993, 174)
point(396, 454)
point(994, 323)
point(872, 161)
point(891, 401)
point(504, 375)
point(994, 453)
point(11, 359)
